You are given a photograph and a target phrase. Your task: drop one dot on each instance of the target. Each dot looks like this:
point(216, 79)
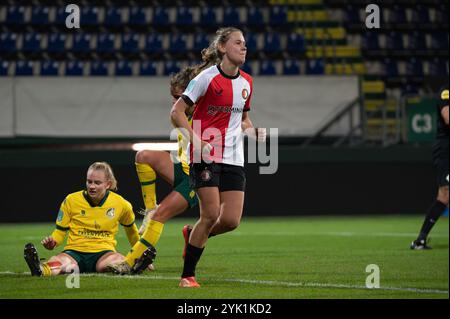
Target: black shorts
point(225, 177)
point(440, 161)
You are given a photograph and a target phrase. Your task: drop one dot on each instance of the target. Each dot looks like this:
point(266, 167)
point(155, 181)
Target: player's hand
point(206, 148)
point(49, 243)
point(261, 134)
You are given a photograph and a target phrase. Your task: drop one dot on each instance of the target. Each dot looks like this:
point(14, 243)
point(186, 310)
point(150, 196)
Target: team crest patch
point(192, 194)
point(244, 94)
point(60, 215)
point(206, 175)
point(444, 95)
point(110, 212)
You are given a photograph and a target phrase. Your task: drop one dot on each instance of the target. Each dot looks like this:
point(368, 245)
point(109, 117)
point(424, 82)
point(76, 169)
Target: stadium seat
point(267, 68)
point(410, 89)
point(31, 43)
point(113, 18)
point(441, 13)
point(56, 44)
point(74, 68)
point(420, 14)
point(438, 67)
point(147, 68)
point(417, 41)
point(390, 68)
point(89, 16)
point(231, 17)
point(8, 42)
point(272, 44)
point(60, 17)
point(137, 18)
point(177, 44)
point(291, 67)
point(439, 41)
point(247, 68)
point(161, 18)
point(414, 67)
point(351, 15)
point(251, 43)
point(397, 15)
point(49, 68)
point(171, 67)
point(124, 68)
point(4, 68)
point(255, 17)
point(99, 68)
point(40, 17)
point(296, 44)
point(24, 68)
point(208, 18)
point(278, 16)
point(81, 43)
point(315, 67)
point(15, 16)
point(130, 44)
point(105, 45)
point(370, 41)
point(201, 41)
point(153, 44)
point(394, 41)
point(183, 17)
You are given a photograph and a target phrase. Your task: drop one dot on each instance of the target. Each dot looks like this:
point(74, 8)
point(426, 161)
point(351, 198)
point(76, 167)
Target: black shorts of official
point(224, 176)
point(440, 161)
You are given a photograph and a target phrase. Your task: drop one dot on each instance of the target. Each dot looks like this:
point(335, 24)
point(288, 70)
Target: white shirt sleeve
point(197, 87)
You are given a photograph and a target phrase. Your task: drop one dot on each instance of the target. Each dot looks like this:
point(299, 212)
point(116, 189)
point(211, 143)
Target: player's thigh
point(209, 202)
point(108, 258)
point(67, 262)
point(171, 206)
point(231, 207)
point(160, 161)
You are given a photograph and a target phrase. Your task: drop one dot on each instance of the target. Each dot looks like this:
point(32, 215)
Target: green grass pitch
point(289, 258)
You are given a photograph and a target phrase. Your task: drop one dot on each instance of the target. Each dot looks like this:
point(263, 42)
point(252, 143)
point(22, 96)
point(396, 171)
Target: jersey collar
point(226, 75)
point(91, 203)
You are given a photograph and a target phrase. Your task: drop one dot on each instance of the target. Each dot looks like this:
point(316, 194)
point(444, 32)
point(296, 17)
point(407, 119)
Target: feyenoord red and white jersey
point(220, 102)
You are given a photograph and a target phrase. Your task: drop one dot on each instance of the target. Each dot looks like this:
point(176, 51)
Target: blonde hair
point(109, 174)
point(211, 54)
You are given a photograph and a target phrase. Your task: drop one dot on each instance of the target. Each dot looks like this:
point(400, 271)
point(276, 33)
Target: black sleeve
point(187, 100)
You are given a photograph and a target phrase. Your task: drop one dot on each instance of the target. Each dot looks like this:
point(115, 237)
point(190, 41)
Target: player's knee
point(229, 224)
point(209, 220)
point(443, 195)
point(142, 156)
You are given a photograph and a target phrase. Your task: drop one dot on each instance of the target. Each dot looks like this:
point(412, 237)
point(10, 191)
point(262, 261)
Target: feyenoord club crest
point(244, 94)
point(206, 175)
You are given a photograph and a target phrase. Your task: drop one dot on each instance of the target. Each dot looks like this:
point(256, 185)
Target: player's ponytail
point(109, 174)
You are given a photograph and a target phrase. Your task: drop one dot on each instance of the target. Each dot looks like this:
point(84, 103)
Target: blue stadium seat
point(370, 40)
point(414, 67)
point(247, 68)
point(99, 68)
point(390, 68)
point(130, 43)
point(278, 15)
point(438, 67)
point(40, 16)
point(255, 17)
point(153, 43)
point(113, 18)
point(60, 17)
point(420, 14)
point(147, 68)
point(171, 67)
point(231, 17)
point(161, 17)
point(24, 68)
point(201, 41)
point(178, 43)
point(251, 43)
point(410, 89)
point(74, 68)
point(31, 43)
point(183, 16)
point(105, 44)
point(49, 68)
point(417, 41)
point(439, 41)
point(89, 16)
point(267, 68)
point(397, 15)
point(137, 17)
point(208, 17)
point(295, 44)
point(56, 43)
point(351, 14)
point(82, 43)
point(441, 15)
point(315, 67)
point(4, 68)
point(272, 43)
point(394, 41)
point(15, 15)
point(124, 68)
point(291, 67)
point(8, 43)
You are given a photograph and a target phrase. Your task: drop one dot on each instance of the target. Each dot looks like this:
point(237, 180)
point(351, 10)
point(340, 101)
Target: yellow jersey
point(182, 149)
point(92, 228)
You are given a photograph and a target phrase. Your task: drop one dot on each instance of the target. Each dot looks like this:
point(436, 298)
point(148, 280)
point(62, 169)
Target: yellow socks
point(46, 270)
point(150, 237)
point(147, 177)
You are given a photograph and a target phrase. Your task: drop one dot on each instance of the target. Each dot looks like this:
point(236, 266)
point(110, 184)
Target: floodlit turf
point(321, 257)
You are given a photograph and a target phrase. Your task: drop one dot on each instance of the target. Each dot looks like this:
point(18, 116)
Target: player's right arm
point(62, 226)
point(444, 105)
point(444, 113)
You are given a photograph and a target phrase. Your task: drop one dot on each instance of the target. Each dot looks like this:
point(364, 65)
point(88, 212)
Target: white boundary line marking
point(260, 282)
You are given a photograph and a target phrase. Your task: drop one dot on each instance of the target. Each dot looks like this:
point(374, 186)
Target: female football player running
point(92, 218)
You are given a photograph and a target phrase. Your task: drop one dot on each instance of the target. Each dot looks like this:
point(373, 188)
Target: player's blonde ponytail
point(109, 174)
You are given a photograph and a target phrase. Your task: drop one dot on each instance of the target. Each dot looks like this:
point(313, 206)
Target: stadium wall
point(309, 181)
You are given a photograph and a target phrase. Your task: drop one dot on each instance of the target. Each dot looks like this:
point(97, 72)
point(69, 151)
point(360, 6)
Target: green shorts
point(87, 262)
point(181, 185)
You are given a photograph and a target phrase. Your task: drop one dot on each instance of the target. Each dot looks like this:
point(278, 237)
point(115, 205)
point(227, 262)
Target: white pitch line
point(261, 282)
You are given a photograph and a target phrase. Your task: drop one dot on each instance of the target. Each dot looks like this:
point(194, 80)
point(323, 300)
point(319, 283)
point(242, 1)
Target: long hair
point(212, 55)
point(109, 174)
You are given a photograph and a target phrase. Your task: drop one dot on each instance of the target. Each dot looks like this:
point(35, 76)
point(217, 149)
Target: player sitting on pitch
point(92, 218)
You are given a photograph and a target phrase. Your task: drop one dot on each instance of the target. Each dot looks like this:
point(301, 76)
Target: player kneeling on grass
point(92, 218)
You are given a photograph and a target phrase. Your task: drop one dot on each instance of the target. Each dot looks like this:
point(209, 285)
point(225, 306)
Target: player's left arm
point(127, 221)
point(443, 105)
point(444, 113)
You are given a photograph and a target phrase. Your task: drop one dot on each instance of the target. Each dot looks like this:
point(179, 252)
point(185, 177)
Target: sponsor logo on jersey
point(110, 212)
point(214, 109)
